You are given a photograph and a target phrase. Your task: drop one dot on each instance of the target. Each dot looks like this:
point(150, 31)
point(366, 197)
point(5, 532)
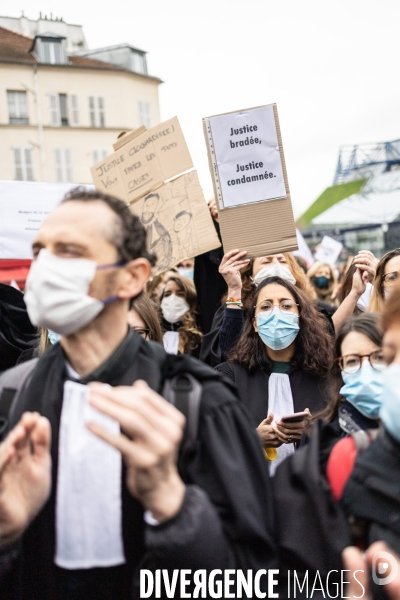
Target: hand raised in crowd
point(359, 564)
point(267, 433)
point(360, 280)
point(230, 267)
point(25, 475)
point(366, 261)
point(288, 433)
point(212, 205)
point(152, 431)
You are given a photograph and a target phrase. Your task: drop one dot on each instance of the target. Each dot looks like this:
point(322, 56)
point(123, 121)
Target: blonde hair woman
point(323, 279)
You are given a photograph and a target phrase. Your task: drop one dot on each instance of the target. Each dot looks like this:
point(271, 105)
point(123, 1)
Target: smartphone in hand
point(295, 417)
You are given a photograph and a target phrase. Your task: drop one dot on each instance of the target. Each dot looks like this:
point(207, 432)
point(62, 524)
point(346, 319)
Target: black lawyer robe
point(308, 390)
point(228, 466)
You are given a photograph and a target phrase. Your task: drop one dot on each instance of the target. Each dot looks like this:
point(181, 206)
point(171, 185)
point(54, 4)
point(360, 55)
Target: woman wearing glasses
point(143, 317)
point(357, 376)
point(387, 277)
point(281, 362)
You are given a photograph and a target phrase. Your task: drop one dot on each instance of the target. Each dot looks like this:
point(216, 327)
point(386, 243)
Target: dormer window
point(49, 48)
point(52, 52)
point(138, 62)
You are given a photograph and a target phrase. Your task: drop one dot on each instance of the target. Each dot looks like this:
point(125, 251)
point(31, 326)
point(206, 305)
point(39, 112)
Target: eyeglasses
point(143, 332)
point(391, 278)
point(351, 363)
point(285, 306)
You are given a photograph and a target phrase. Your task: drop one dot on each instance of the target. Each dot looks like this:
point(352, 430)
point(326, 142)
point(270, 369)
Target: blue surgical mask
point(186, 272)
point(321, 281)
point(53, 337)
point(363, 389)
point(277, 329)
point(390, 411)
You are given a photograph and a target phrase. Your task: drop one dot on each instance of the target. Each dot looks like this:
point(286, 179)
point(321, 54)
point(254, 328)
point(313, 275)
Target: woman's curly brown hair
point(189, 334)
point(313, 346)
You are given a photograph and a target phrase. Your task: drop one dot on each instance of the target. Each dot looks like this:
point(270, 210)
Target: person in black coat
point(17, 334)
point(210, 510)
point(280, 363)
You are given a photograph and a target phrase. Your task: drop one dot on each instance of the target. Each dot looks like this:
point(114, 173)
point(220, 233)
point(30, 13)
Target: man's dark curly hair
point(128, 234)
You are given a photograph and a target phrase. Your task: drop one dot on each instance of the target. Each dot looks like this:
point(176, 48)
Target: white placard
point(23, 207)
point(247, 156)
point(304, 251)
point(329, 250)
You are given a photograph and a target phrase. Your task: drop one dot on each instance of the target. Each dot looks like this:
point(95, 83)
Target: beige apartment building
point(62, 105)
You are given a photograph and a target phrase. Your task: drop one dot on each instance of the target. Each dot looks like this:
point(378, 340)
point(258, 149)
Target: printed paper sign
point(247, 166)
point(247, 157)
point(23, 207)
point(329, 250)
point(177, 221)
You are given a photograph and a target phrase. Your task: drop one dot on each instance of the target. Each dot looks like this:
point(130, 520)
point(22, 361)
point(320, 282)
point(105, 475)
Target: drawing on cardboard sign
point(158, 238)
point(177, 221)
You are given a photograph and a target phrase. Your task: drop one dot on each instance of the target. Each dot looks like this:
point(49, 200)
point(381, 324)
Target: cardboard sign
point(169, 147)
point(248, 170)
point(329, 250)
point(175, 214)
point(142, 161)
point(130, 172)
point(177, 221)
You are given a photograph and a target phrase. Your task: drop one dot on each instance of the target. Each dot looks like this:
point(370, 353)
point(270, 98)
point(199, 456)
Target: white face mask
point(173, 308)
point(56, 293)
point(275, 270)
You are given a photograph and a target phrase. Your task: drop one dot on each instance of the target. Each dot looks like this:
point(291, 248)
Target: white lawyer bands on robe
point(88, 497)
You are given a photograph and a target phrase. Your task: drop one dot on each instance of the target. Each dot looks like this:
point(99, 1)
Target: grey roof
point(50, 34)
point(377, 202)
point(105, 48)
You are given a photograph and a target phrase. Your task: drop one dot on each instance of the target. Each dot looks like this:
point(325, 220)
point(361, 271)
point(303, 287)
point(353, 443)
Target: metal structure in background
point(362, 161)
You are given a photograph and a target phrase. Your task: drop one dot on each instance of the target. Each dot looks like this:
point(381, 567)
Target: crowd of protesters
point(230, 414)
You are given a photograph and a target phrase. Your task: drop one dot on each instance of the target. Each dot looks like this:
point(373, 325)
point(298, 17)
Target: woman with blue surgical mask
point(280, 364)
point(357, 376)
point(243, 276)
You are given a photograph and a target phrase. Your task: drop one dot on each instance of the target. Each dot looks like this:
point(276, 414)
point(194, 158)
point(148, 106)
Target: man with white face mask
point(118, 498)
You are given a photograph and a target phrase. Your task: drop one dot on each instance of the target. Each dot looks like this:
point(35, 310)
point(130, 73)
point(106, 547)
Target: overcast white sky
point(332, 67)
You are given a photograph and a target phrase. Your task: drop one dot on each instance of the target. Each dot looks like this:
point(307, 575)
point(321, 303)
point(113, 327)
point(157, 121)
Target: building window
point(96, 111)
point(52, 53)
point(138, 62)
point(98, 155)
point(63, 165)
point(23, 164)
point(144, 114)
point(64, 110)
point(17, 108)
